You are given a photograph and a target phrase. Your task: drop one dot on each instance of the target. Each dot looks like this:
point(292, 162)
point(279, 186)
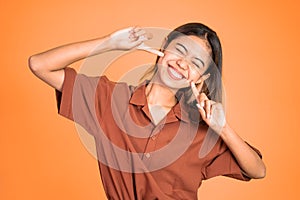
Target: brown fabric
point(138, 160)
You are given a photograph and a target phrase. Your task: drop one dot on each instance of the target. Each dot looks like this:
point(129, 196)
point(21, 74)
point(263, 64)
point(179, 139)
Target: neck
point(159, 94)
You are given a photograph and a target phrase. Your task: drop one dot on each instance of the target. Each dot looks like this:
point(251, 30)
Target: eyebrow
point(188, 51)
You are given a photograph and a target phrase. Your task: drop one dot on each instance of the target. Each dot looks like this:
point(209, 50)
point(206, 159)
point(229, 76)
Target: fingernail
point(161, 54)
point(198, 106)
point(202, 104)
point(208, 116)
point(193, 84)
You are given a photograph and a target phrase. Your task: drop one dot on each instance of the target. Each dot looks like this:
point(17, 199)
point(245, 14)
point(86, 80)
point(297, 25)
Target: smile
point(174, 74)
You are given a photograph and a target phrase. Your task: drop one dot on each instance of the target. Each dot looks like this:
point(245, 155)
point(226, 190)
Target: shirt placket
point(151, 142)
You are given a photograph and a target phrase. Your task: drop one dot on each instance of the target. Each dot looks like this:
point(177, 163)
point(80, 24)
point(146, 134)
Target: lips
point(174, 74)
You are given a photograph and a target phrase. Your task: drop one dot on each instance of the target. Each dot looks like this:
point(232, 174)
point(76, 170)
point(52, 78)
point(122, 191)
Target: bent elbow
point(33, 64)
point(256, 173)
point(261, 173)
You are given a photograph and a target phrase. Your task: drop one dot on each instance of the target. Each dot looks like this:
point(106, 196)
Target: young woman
point(153, 141)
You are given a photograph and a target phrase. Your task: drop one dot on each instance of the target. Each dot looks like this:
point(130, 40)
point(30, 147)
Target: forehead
point(192, 43)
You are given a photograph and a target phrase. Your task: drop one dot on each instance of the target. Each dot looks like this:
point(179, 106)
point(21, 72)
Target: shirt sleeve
point(225, 164)
point(77, 99)
point(64, 97)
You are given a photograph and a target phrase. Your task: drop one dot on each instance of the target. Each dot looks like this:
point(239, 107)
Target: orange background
point(41, 154)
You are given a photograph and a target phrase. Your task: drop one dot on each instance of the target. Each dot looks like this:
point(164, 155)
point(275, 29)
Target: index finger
point(195, 91)
point(201, 81)
point(145, 47)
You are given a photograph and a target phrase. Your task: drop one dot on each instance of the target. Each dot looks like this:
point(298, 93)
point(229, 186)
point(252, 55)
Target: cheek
point(167, 57)
point(194, 75)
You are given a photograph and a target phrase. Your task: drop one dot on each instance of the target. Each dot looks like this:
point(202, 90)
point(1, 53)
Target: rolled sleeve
point(79, 97)
point(225, 164)
point(64, 97)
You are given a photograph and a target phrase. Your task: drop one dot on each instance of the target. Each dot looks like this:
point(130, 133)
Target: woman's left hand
point(211, 112)
point(128, 38)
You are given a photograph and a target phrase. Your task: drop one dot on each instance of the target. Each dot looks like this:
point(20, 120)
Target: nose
point(183, 64)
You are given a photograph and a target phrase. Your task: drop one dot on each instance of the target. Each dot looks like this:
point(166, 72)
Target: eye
point(197, 62)
point(197, 65)
point(180, 50)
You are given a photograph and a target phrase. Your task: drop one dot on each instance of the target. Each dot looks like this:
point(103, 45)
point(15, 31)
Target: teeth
point(176, 74)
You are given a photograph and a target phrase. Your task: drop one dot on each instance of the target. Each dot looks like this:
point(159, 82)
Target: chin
point(175, 85)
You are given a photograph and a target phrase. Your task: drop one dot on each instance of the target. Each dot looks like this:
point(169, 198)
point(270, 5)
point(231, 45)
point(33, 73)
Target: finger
point(135, 32)
point(134, 29)
point(138, 39)
point(145, 37)
point(140, 36)
point(195, 91)
point(202, 111)
point(202, 98)
point(140, 33)
point(199, 86)
point(203, 77)
point(132, 37)
point(207, 108)
point(136, 43)
point(149, 49)
point(201, 81)
point(213, 108)
point(122, 31)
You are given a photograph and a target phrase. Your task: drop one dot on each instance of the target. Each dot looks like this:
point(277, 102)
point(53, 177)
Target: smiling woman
point(186, 60)
point(148, 139)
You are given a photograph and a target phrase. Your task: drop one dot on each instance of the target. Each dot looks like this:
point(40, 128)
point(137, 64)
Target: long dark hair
point(213, 85)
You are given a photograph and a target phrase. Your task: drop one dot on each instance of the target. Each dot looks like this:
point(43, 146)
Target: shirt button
point(153, 137)
point(147, 155)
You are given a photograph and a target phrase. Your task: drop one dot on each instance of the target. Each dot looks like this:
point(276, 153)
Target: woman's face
point(186, 59)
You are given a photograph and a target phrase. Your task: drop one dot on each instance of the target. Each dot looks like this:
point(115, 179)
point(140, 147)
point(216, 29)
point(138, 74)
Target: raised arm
point(213, 114)
point(49, 65)
point(248, 159)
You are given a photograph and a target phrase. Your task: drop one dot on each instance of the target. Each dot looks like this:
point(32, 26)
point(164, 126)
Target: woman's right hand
point(128, 38)
point(49, 65)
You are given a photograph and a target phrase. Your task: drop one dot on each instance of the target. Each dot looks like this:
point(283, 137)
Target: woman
point(148, 138)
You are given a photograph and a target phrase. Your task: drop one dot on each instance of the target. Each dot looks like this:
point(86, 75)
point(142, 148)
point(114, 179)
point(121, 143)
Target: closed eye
point(180, 51)
point(199, 60)
point(196, 65)
point(181, 48)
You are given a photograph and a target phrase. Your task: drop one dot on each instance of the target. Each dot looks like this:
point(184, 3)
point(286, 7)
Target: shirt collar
point(139, 96)
point(179, 111)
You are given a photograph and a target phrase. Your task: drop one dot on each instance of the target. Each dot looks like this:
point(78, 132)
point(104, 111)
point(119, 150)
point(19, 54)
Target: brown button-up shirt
point(137, 159)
